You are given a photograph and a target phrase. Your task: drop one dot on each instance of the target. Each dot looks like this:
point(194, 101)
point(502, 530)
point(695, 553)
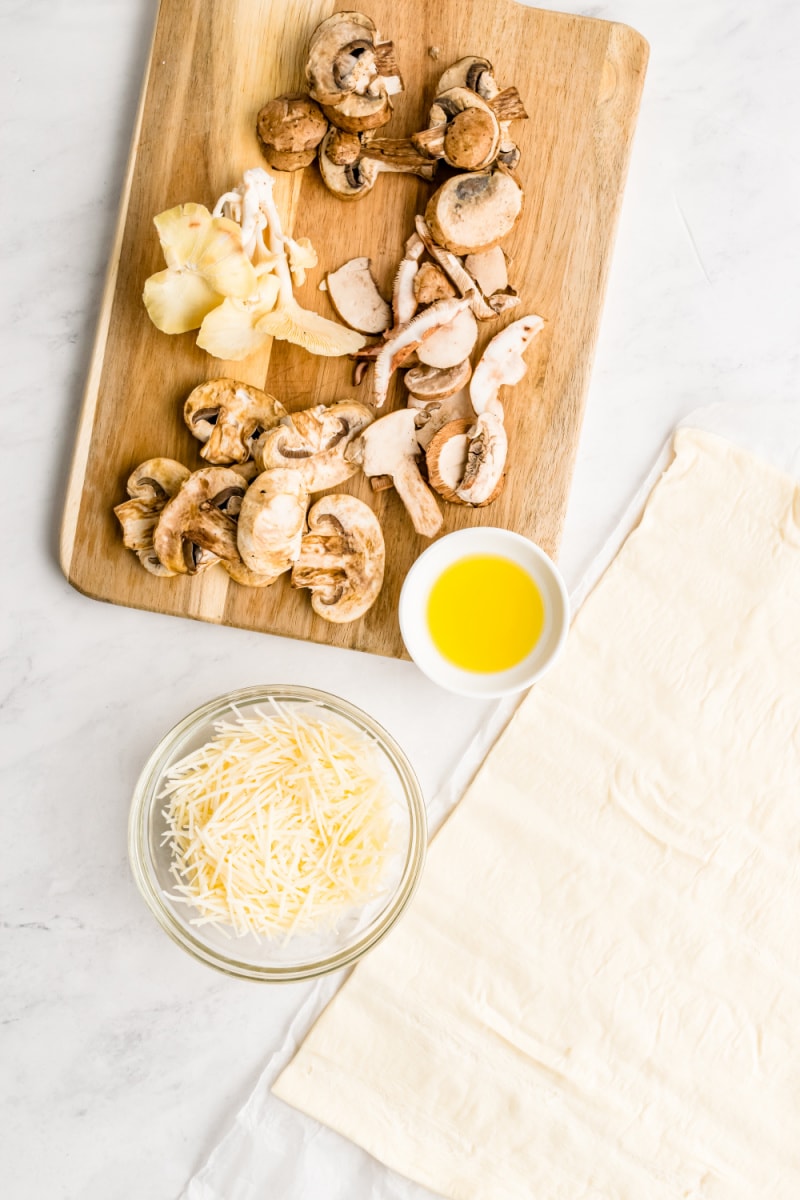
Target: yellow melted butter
point(485, 613)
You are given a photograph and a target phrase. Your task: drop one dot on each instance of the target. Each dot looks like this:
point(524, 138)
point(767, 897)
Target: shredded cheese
point(279, 824)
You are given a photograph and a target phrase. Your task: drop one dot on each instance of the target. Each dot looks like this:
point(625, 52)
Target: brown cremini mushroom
point(341, 558)
point(466, 460)
point(351, 72)
point(150, 486)
point(389, 447)
point(289, 129)
point(197, 527)
point(271, 522)
point(477, 74)
point(462, 129)
point(354, 294)
point(474, 211)
point(228, 417)
point(352, 179)
point(312, 443)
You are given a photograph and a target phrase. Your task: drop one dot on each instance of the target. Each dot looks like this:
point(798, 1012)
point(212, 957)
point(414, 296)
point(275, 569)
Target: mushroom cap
point(348, 181)
point(472, 212)
point(472, 134)
point(341, 58)
point(357, 114)
point(197, 526)
point(271, 521)
point(240, 573)
point(436, 383)
point(149, 487)
point(291, 124)
point(431, 283)
point(342, 558)
point(228, 417)
point(354, 294)
point(312, 443)
point(471, 72)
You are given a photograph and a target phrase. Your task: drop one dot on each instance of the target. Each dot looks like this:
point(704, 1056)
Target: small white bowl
point(414, 607)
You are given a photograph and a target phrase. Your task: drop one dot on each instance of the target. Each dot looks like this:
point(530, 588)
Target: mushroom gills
point(341, 559)
point(228, 417)
point(313, 443)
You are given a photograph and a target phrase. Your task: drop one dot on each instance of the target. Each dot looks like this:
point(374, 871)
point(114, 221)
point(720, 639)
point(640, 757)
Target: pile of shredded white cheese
point(279, 824)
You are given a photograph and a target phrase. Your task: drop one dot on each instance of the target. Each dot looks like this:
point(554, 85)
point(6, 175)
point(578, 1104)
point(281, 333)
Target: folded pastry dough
point(596, 993)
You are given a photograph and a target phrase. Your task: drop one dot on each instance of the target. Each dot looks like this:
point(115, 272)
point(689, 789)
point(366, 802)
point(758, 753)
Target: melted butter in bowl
point(484, 612)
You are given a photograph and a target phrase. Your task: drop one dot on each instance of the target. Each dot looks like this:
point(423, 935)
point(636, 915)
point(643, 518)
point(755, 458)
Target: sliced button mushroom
point(389, 447)
point(289, 129)
point(502, 364)
point(473, 212)
point(353, 179)
point(466, 460)
point(150, 486)
point(462, 129)
point(229, 417)
point(407, 340)
point(355, 296)
point(404, 297)
point(341, 558)
point(452, 343)
point(312, 443)
point(436, 383)
point(271, 522)
point(198, 525)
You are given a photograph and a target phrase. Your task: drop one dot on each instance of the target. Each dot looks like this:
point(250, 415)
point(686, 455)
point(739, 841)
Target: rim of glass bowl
point(145, 796)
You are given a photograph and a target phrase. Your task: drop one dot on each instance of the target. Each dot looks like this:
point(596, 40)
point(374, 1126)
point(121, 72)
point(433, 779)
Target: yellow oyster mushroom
point(229, 330)
point(206, 262)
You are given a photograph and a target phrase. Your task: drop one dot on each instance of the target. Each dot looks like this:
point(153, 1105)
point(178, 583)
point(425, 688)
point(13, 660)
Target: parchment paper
point(271, 1150)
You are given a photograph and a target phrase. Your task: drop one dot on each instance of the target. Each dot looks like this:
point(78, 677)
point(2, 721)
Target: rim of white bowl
point(146, 794)
point(413, 602)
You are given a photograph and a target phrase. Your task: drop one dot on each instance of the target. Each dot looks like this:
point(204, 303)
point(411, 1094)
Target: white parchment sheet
point(272, 1151)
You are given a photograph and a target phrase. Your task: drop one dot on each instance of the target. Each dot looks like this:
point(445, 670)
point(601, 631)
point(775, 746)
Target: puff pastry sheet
point(596, 992)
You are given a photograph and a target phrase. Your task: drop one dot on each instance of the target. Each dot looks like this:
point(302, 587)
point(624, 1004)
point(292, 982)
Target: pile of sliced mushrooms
point(249, 508)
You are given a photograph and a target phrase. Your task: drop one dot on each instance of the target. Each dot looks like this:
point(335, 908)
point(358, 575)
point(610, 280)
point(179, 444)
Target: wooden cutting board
point(213, 64)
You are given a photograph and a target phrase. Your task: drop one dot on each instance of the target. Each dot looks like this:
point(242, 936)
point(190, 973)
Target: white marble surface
point(122, 1060)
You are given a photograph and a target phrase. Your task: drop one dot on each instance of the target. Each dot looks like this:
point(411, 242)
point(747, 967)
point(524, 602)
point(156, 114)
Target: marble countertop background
point(123, 1060)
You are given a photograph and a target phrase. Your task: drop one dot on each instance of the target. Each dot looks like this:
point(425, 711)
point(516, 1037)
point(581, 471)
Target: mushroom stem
point(399, 154)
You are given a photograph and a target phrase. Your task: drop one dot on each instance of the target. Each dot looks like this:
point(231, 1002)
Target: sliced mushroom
point(389, 447)
point(312, 443)
point(435, 383)
point(408, 339)
point(453, 267)
point(473, 212)
point(341, 558)
point(197, 527)
point(289, 129)
point(150, 486)
point(355, 296)
point(466, 460)
point(489, 270)
point(431, 283)
point(404, 298)
point(433, 415)
point(462, 129)
point(229, 417)
point(352, 179)
point(502, 364)
point(351, 73)
point(452, 343)
point(271, 522)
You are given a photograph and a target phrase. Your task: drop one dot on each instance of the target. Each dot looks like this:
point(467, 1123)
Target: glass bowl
point(303, 955)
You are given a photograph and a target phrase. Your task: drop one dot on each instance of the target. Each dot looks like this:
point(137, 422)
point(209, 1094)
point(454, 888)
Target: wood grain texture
point(213, 64)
